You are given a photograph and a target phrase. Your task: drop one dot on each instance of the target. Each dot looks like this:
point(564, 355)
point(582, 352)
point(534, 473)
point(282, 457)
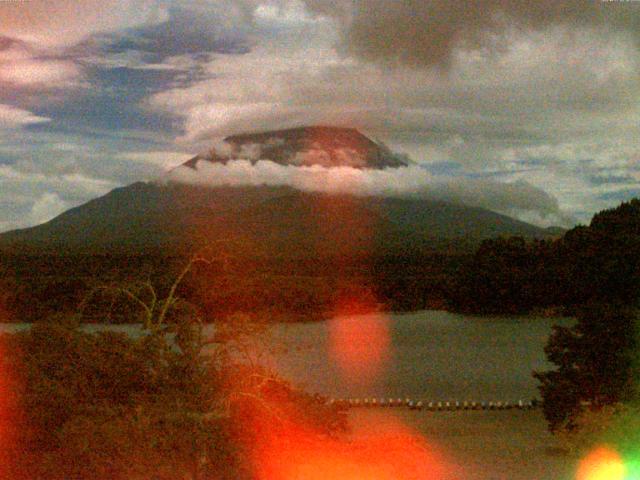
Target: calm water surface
point(432, 355)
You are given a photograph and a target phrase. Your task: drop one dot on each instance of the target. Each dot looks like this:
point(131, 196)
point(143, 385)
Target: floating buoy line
point(439, 406)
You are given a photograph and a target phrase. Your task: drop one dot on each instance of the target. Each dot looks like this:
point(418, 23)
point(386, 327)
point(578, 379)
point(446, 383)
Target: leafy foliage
point(106, 402)
point(160, 403)
point(598, 268)
point(37, 286)
point(595, 362)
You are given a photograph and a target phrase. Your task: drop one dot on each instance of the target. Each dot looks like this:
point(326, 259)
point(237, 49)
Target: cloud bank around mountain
point(519, 198)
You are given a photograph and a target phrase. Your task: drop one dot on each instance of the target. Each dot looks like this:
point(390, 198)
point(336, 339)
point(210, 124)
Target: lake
point(430, 355)
point(434, 355)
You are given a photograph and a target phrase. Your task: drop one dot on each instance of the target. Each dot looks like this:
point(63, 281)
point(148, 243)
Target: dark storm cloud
point(427, 33)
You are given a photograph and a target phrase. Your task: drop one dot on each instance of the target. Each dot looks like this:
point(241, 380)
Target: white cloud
point(12, 117)
point(10, 173)
point(34, 192)
point(136, 60)
point(89, 186)
point(46, 207)
point(67, 22)
point(512, 198)
point(46, 74)
point(162, 159)
point(25, 66)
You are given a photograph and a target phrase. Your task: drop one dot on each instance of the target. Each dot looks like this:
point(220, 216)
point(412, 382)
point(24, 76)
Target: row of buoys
point(434, 406)
point(374, 402)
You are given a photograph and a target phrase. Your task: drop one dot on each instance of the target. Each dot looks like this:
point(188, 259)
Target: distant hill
point(285, 253)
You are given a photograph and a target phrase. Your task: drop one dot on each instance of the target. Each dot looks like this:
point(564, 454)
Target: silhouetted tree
point(595, 364)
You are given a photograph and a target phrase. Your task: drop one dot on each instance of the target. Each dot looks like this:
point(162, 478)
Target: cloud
point(35, 73)
point(429, 33)
point(162, 160)
point(540, 87)
point(74, 169)
point(190, 28)
point(12, 117)
point(46, 207)
point(23, 66)
point(512, 198)
point(134, 59)
point(67, 22)
point(248, 92)
point(543, 107)
point(31, 198)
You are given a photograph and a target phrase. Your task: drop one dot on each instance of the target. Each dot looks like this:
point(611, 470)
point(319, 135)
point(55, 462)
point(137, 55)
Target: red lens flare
point(360, 345)
point(602, 463)
point(385, 452)
point(9, 405)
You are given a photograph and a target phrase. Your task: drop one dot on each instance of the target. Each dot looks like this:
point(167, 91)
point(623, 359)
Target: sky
point(534, 107)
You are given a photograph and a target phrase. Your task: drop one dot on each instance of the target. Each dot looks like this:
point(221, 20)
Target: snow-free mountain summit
point(305, 146)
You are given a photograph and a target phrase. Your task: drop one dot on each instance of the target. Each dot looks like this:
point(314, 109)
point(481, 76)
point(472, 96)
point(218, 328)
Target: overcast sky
point(532, 105)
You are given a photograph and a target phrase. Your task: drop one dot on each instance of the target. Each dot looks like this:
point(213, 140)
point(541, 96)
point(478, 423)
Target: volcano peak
point(327, 146)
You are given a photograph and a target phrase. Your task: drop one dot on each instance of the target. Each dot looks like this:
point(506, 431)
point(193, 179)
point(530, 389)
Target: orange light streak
point(388, 451)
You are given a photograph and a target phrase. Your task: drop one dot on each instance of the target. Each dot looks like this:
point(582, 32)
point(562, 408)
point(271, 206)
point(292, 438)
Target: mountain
point(267, 220)
point(319, 145)
point(263, 220)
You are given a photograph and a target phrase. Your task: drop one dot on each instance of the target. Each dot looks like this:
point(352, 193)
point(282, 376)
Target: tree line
point(33, 287)
point(598, 263)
